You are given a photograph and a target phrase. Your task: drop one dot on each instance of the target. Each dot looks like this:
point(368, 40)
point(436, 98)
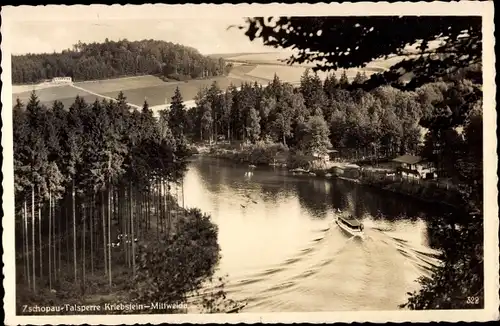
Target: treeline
point(117, 59)
point(94, 185)
point(334, 113)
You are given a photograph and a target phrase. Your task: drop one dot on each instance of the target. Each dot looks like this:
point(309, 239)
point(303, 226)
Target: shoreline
point(415, 190)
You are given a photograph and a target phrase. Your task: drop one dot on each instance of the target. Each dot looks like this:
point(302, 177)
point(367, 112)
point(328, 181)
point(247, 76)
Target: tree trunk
point(50, 241)
point(182, 190)
point(215, 126)
point(148, 211)
point(40, 250)
point(67, 228)
point(26, 259)
point(132, 231)
point(124, 222)
point(104, 235)
point(54, 237)
point(83, 245)
point(33, 245)
point(92, 235)
point(59, 243)
point(74, 228)
point(158, 209)
point(127, 211)
point(109, 234)
point(162, 208)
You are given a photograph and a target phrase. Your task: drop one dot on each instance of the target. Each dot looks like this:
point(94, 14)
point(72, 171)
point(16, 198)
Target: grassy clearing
point(263, 57)
point(292, 74)
point(265, 65)
point(120, 84)
point(17, 89)
point(157, 95)
point(136, 89)
point(252, 67)
point(66, 94)
point(243, 69)
point(231, 55)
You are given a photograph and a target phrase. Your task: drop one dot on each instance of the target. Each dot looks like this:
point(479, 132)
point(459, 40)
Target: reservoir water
point(282, 253)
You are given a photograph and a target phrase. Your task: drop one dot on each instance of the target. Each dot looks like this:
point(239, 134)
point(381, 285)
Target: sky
point(208, 36)
point(41, 29)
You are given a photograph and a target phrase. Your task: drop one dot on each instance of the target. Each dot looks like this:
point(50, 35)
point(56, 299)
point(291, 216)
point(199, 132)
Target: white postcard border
point(485, 9)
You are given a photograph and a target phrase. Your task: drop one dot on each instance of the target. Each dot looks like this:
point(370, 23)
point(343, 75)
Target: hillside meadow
point(248, 67)
point(161, 94)
point(64, 93)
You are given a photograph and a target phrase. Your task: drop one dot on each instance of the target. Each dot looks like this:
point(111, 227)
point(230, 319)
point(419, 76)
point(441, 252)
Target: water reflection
point(283, 253)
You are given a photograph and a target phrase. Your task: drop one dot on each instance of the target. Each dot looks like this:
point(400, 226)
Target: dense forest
point(99, 203)
point(335, 113)
point(117, 59)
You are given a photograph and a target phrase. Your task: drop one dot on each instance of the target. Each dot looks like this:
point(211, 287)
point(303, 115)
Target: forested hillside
point(98, 207)
point(383, 123)
point(117, 59)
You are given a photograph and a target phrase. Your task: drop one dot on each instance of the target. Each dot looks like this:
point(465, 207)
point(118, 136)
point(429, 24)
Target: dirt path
point(100, 95)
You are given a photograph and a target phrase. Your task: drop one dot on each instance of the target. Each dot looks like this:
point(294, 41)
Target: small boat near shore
point(351, 225)
point(350, 179)
point(299, 171)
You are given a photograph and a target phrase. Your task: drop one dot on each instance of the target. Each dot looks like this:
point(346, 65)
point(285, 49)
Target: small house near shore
point(325, 157)
point(410, 162)
point(411, 165)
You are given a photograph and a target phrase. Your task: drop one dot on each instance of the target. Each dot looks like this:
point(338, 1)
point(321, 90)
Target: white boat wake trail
point(337, 272)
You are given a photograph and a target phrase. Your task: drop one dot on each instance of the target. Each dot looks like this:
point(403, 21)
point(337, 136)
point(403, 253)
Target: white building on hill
point(62, 80)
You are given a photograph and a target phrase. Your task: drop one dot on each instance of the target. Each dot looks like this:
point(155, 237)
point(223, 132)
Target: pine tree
point(177, 115)
point(227, 107)
point(360, 78)
point(344, 80)
point(253, 125)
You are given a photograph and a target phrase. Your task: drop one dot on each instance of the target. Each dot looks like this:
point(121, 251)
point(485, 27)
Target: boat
point(351, 225)
point(299, 171)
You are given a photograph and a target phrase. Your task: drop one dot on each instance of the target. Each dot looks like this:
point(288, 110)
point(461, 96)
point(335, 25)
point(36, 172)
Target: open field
point(120, 84)
point(161, 94)
point(289, 74)
point(17, 89)
point(248, 67)
point(136, 90)
point(267, 64)
point(270, 57)
point(231, 55)
point(66, 94)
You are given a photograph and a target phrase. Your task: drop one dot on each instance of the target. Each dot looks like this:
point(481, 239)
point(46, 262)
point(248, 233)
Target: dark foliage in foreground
point(443, 44)
point(178, 263)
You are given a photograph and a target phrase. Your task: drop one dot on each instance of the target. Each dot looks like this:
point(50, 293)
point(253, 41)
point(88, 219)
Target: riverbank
point(424, 190)
point(263, 154)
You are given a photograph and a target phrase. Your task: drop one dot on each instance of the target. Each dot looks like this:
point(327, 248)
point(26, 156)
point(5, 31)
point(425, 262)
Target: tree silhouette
point(439, 43)
point(177, 114)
